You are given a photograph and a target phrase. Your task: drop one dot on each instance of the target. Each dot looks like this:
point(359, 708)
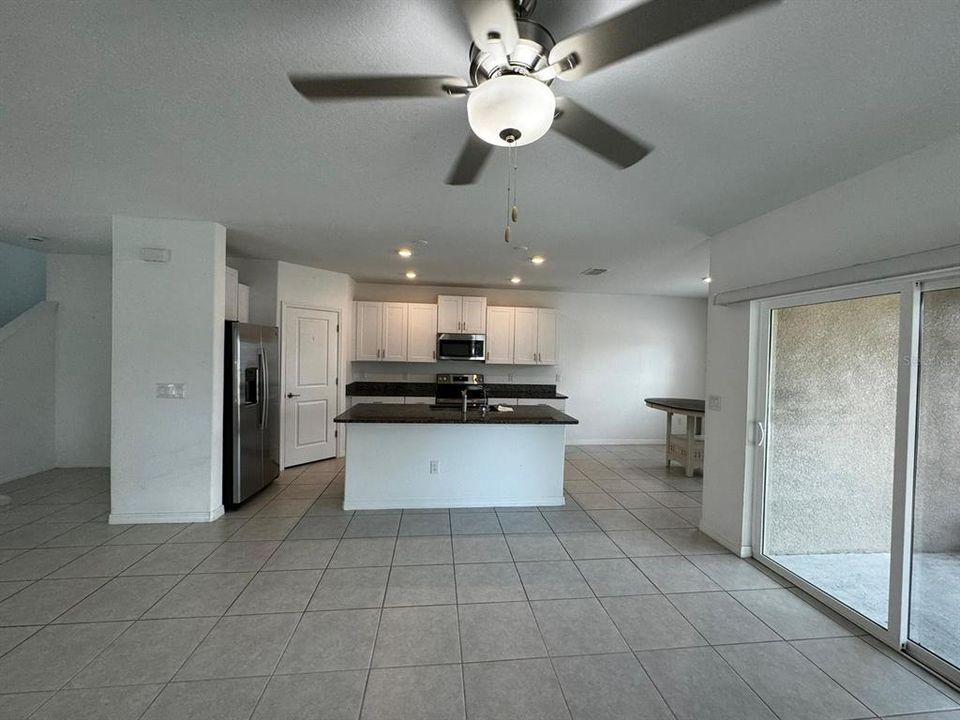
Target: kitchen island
point(421, 456)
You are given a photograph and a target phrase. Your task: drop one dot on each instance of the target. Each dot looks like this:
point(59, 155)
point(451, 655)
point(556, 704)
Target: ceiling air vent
point(594, 271)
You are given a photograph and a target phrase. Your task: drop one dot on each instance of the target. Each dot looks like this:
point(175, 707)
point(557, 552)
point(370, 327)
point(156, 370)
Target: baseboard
point(616, 441)
point(431, 503)
point(171, 517)
point(736, 548)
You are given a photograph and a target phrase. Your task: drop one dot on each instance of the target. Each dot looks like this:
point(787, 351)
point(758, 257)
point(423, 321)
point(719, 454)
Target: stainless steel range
point(452, 389)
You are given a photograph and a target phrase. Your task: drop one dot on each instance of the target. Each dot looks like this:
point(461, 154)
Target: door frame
point(284, 307)
point(942, 281)
point(909, 289)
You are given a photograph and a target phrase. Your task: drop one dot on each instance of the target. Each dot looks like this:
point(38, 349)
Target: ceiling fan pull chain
point(506, 230)
point(514, 212)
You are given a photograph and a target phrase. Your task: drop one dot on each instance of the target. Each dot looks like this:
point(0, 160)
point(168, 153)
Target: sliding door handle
point(761, 434)
point(292, 395)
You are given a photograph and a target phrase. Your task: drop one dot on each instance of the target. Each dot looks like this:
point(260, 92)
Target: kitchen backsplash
point(425, 372)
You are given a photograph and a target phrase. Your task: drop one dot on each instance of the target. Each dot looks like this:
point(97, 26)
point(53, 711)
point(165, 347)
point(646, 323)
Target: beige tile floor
point(614, 606)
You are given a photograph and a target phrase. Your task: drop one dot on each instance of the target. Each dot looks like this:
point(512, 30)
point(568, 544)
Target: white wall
point(80, 284)
point(312, 287)
point(22, 280)
point(27, 346)
point(904, 206)
point(614, 350)
point(166, 456)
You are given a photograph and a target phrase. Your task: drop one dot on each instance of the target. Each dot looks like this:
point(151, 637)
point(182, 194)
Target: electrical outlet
point(434, 467)
point(170, 391)
point(509, 377)
point(558, 378)
point(713, 402)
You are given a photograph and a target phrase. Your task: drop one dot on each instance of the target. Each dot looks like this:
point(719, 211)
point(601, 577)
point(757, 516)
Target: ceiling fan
point(513, 63)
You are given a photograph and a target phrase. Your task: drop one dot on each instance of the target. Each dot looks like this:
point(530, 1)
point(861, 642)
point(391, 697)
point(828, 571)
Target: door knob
point(292, 395)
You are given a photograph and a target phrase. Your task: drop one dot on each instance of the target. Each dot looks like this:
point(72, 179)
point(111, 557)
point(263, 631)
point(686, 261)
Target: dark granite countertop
point(426, 414)
point(419, 389)
point(692, 406)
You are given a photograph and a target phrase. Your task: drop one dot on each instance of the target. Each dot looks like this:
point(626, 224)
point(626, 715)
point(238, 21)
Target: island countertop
point(427, 415)
point(527, 391)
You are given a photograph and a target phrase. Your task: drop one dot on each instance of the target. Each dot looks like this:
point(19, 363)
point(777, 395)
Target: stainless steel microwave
point(456, 346)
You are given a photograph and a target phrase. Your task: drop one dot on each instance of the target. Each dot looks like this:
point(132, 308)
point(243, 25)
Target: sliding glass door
point(934, 617)
point(858, 457)
point(830, 446)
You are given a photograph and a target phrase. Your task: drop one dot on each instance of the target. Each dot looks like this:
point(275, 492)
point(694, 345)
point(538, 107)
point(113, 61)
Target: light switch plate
point(158, 255)
point(170, 391)
point(713, 402)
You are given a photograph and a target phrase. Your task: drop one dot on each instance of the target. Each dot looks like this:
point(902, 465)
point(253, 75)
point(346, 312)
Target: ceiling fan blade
point(343, 87)
point(640, 28)
point(472, 157)
point(491, 23)
point(597, 135)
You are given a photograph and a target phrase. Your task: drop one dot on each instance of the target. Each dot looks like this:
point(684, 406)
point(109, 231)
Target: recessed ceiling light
point(404, 252)
point(411, 274)
point(538, 259)
point(515, 280)
point(708, 279)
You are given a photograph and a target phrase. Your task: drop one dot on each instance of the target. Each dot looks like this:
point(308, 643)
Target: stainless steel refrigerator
point(251, 415)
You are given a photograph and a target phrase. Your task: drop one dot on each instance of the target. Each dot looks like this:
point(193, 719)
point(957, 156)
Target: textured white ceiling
point(181, 108)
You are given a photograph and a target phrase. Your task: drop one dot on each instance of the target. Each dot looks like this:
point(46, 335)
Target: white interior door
point(310, 343)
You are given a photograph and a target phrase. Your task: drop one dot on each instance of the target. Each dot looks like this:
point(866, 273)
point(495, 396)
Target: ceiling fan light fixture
point(511, 106)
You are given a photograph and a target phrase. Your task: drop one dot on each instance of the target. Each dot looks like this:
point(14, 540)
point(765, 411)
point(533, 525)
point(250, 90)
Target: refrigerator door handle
point(265, 393)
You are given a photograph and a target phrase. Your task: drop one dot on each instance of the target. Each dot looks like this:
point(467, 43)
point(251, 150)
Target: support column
point(168, 323)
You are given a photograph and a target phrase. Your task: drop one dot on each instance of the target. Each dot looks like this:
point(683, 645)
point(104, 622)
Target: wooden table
point(684, 449)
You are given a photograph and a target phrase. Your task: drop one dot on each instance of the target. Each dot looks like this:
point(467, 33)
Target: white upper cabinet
point(230, 294)
point(474, 315)
point(421, 332)
point(546, 336)
point(525, 336)
point(449, 310)
point(500, 335)
point(457, 314)
point(407, 332)
point(395, 332)
point(535, 336)
point(393, 344)
point(369, 328)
